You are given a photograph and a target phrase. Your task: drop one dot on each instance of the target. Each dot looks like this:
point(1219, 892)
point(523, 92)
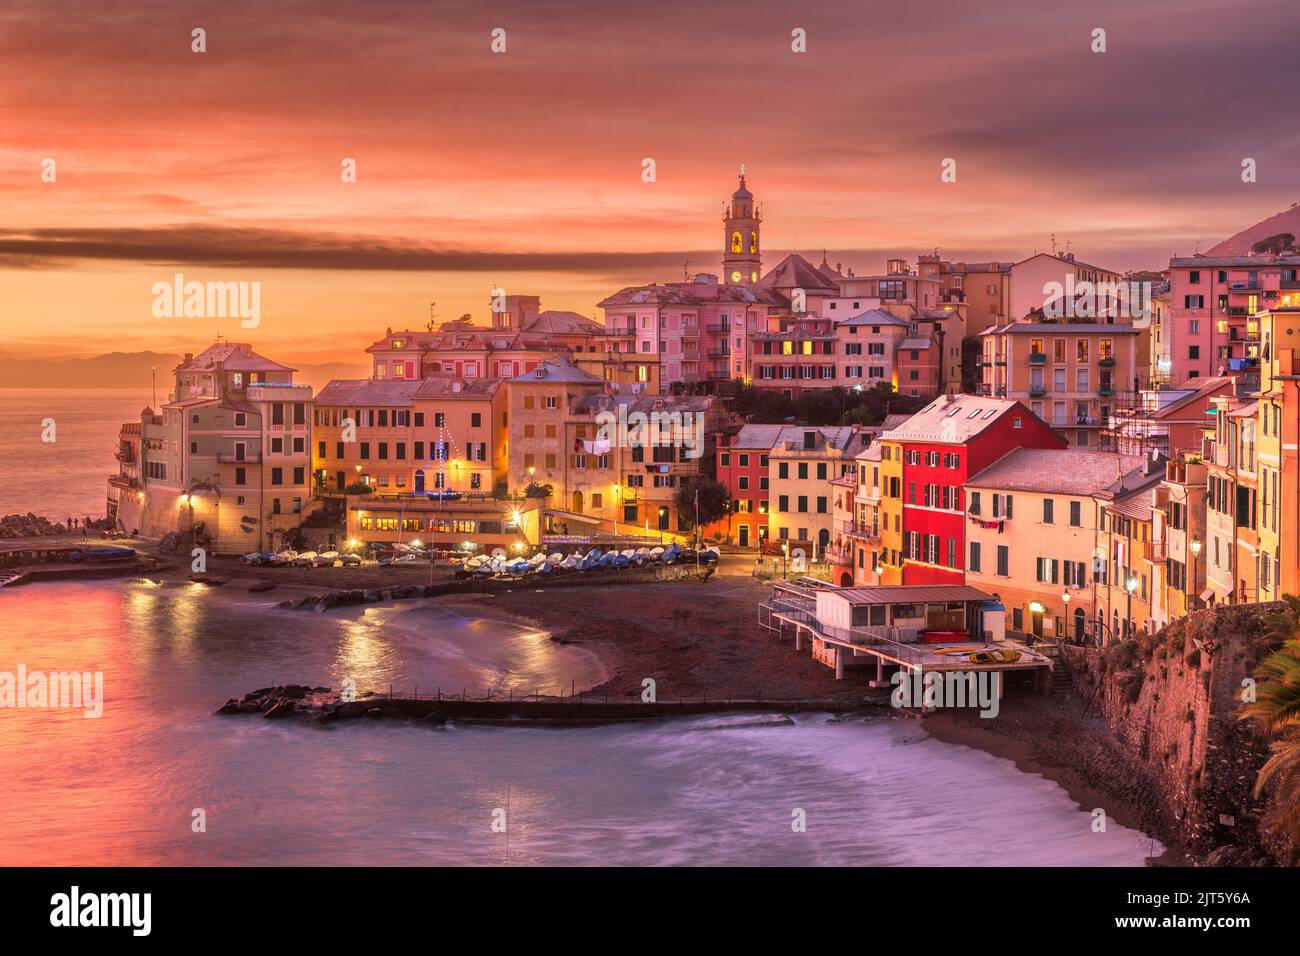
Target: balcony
point(1037, 358)
point(1106, 391)
point(251, 458)
point(1037, 391)
point(840, 555)
point(1106, 361)
point(1290, 283)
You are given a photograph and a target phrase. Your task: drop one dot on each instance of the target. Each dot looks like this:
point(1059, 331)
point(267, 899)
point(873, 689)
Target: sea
point(157, 779)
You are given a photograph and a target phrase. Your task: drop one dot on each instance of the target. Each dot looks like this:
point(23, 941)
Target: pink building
point(696, 331)
point(1211, 326)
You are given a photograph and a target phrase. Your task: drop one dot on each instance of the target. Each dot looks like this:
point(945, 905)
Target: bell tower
point(742, 262)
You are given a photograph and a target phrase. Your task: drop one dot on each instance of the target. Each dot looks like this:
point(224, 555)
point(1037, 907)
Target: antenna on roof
point(1053, 243)
point(432, 315)
point(686, 270)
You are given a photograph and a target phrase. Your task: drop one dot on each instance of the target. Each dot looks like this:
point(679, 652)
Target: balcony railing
point(1037, 391)
point(1106, 361)
point(1038, 358)
point(252, 458)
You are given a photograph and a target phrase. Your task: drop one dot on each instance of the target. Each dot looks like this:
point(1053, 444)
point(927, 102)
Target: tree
point(534, 490)
point(713, 500)
point(971, 376)
point(1277, 244)
point(1277, 710)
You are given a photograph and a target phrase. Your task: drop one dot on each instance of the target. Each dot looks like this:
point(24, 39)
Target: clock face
point(735, 276)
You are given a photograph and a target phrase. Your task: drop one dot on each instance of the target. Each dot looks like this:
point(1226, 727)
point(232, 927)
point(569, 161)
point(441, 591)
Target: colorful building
point(801, 465)
point(1068, 373)
point(227, 457)
point(1031, 529)
point(941, 446)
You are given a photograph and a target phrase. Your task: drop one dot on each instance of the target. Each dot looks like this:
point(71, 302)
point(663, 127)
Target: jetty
point(318, 705)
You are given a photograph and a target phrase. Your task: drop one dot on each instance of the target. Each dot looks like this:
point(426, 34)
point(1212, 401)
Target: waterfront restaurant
point(481, 520)
point(912, 627)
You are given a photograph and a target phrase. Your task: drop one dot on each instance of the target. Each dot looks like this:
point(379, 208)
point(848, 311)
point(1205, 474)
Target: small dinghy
point(305, 559)
point(349, 560)
point(710, 555)
point(671, 555)
point(656, 554)
point(326, 559)
point(283, 558)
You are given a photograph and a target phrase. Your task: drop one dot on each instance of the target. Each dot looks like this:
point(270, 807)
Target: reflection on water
point(121, 789)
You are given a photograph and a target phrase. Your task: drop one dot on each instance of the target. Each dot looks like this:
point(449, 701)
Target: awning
point(573, 516)
point(1207, 594)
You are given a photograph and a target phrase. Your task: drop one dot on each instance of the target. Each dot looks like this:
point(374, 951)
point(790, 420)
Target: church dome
point(742, 192)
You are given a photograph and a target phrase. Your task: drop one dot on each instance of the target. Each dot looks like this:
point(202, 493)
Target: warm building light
point(1195, 546)
point(1035, 607)
point(1065, 596)
point(1131, 584)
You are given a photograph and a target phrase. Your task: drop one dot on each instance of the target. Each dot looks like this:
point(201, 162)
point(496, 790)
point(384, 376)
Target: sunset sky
point(523, 169)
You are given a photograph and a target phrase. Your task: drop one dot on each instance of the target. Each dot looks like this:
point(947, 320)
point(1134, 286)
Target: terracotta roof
point(1066, 471)
point(563, 323)
point(796, 272)
point(233, 356)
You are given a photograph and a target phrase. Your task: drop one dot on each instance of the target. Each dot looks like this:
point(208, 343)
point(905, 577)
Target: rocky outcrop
point(36, 526)
point(1172, 700)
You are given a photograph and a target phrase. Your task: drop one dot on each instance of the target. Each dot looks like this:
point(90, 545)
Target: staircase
point(1062, 679)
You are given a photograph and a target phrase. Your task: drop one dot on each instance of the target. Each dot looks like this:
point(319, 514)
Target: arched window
point(737, 244)
point(753, 242)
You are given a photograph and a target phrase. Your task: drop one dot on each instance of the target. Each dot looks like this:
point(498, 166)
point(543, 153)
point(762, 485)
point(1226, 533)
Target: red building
point(949, 440)
point(742, 467)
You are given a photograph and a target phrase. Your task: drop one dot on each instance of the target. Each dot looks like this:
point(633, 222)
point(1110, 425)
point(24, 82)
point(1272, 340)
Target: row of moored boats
point(542, 564)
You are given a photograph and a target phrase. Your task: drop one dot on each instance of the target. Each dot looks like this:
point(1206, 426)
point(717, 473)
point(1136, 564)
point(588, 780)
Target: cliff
point(1172, 699)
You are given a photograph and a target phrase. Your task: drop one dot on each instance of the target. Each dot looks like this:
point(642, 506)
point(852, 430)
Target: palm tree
point(1277, 710)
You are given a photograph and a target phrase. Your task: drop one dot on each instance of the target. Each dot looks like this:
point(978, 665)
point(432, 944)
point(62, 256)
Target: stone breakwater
point(37, 526)
point(316, 705)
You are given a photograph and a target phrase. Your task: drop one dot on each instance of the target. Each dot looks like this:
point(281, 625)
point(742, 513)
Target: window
point(975, 557)
point(1076, 514)
point(1047, 511)
point(1003, 561)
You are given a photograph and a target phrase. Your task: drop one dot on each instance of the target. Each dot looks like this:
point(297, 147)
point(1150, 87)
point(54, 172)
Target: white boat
point(349, 560)
point(305, 559)
point(555, 558)
point(571, 562)
point(326, 559)
point(284, 557)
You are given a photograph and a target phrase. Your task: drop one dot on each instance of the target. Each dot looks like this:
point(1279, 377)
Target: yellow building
point(889, 565)
point(410, 437)
point(227, 457)
point(799, 476)
point(1032, 536)
point(1278, 436)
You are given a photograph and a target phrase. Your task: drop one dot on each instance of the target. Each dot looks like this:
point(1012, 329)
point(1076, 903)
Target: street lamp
point(1065, 600)
point(1195, 546)
point(1130, 585)
point(785, 559)
point(617, 491)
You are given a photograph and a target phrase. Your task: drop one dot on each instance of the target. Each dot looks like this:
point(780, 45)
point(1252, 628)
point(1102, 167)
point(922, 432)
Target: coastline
point(1051, 737)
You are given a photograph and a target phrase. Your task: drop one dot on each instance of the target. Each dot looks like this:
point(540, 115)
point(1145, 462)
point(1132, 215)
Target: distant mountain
point(132, 370)
point(1288, 220)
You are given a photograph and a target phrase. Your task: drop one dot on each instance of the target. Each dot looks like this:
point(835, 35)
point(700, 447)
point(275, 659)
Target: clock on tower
point(741, 259)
